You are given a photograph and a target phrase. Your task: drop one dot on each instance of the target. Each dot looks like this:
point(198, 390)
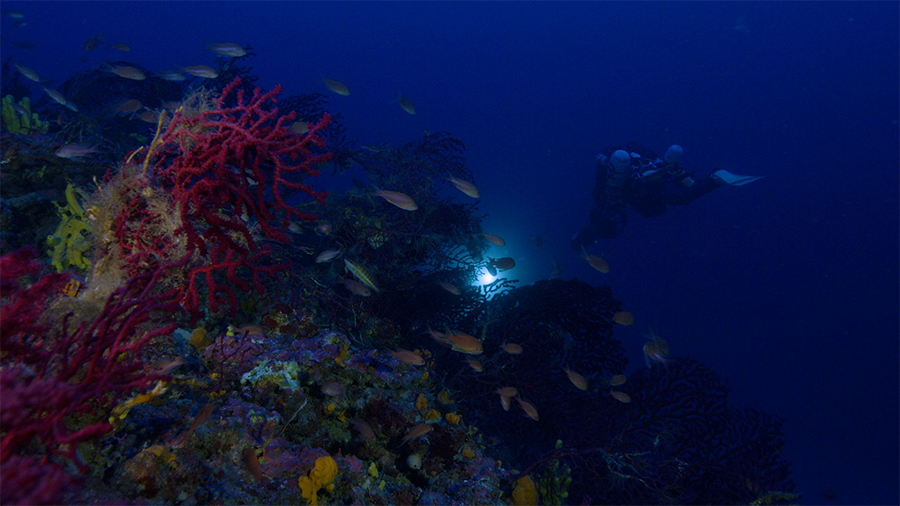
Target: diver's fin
point(733, 179)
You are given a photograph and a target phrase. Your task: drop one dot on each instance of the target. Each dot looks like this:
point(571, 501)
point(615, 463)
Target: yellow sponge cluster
point(319, 477)
point(68, 245)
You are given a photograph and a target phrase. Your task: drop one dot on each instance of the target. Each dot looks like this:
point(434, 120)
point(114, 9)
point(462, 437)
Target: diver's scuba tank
point(673, 156)
point(617, 177)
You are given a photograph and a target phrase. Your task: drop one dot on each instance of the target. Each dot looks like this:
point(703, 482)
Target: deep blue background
point(787, 287)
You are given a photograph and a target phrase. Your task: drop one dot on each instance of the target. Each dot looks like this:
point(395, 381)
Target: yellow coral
point(453, 418)
point(17, 122)
point(68, 244)
point(525, 493)
point(467, 452)
point(421, 402)
point(319, 477)
point(432, 414)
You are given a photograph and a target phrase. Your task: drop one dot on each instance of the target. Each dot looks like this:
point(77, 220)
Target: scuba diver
point(635, 176)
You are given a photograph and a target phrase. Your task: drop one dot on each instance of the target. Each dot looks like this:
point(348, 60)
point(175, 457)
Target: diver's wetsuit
point(650, 195)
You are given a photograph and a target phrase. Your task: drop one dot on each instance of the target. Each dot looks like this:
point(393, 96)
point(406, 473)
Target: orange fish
point(365, 430)
point(407, 357)
point(356, 287)
point(252, 463)
point(450, 288)
point(337, 87)
point(401, 200)
point(299, 128)
point(129, 106)
point(620, 396)
point(618, 379)
point(406, 105)
point(578, 380)
point(496, 239)
point(528, 408)
point(557, 269)
point(507, 391)
point(465, 187)
point(623, 318)
point(502, 264)
point(251, 330)
point(462, 342)
point(128, 72)
point(417, 432)
point(201, 71)
point(595, 261)
point(118, 46)
point(475, 364)
point(656, 350)
point(333, 389)
point(505, 402)
point(512, 348)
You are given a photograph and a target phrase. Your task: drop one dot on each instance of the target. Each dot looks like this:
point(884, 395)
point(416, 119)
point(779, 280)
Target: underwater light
point(485, 278)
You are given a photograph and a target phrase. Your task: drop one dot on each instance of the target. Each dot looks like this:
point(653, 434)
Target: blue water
point(787, 287)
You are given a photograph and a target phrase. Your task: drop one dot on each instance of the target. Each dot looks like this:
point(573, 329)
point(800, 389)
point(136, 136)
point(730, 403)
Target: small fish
point(623, 318)
point(74, 151)
point(461, 342)
point(507, 391)
point(93, 43)
point(450, 288)
point(656, 350)
point(324, 229)
point(365, 430)
point(127, 72)
point(617, 380)
point(337, 86)
point(13, 14)
point(200, 71)
point(201, 418)
point(475, 364)
point(361, 274)
point(333, 389)
point(229, 49)
point(171, 75)
point(129, 106)
point(118, 46)
point(356, 287)
point(578, 380)
point(171, 105)
point(529, 409)
point(496, 239)
point(417, 432)
point(620, 396)
point(465, 187)
point(148, 116)
point(167, 366)
point(401, 200)
point(21, 44)
point(502, 264)
point(595, 261)
point(407, 357)
point(60, 99)
point(20, 23)
point(252, 462)
point(27, 72)
point(249, 330)
point(505, 402)
point(406, 105)
point(557, 270)
point(328, 255)
point(299, 128)
point(511, 348)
